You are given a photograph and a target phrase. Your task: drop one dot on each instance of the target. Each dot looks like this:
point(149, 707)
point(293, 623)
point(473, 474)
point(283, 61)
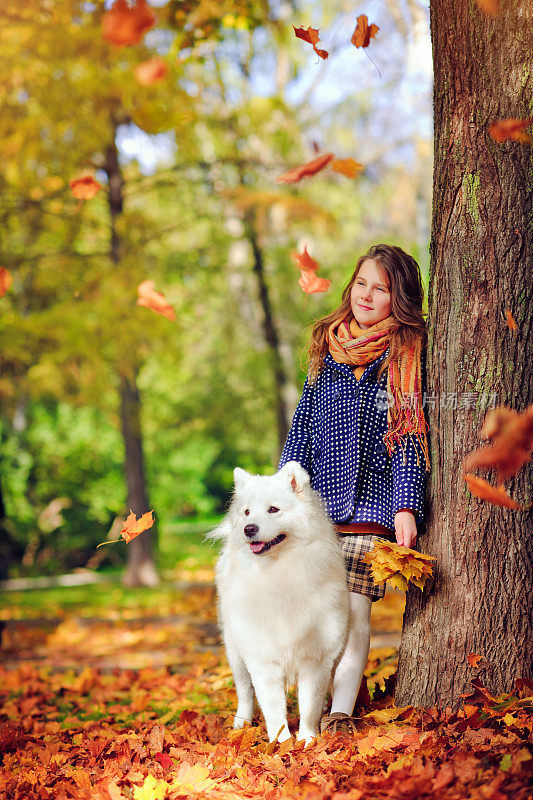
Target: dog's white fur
point(283, 613)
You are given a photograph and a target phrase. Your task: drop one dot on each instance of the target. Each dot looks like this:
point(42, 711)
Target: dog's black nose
point(250, 530)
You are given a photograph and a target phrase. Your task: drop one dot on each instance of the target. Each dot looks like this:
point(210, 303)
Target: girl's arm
point(409, 484)
point(298, 444)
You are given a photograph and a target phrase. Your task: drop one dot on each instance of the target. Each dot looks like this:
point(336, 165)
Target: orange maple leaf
point(347, 166)
point(511, 129)
point(512, 442)
point(311, 283)
point(133, 526)
point(152, 71)
point(511, 324)
point(490, 7)
point(303, 260)
point(156, 301)
point(126, 24)
point(305, 170)
point(85, 187)
point(474, 659)
point(6, 280)
point(363, 32)
point(311, 36)
point(486, 491)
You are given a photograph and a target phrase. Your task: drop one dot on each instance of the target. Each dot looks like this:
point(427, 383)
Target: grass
point(182, 555)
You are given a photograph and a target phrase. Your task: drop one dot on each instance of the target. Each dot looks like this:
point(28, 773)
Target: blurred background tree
point(189, 200)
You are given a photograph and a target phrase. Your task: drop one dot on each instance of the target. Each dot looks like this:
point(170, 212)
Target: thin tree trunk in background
point(140, 569)
point(481, 255)
point(271, 337)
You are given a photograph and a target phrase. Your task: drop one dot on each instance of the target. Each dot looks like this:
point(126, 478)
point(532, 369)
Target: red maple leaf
point(305, 170)
point(311, 36)
point(363, 32)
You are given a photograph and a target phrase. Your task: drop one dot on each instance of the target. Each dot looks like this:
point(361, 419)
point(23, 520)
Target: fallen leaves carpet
point(138, 705)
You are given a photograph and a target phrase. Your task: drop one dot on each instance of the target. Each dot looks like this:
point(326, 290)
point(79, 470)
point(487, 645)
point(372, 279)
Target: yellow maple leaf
point(152, 789)
point(399, 565)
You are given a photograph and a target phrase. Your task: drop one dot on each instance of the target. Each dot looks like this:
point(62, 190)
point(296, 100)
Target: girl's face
point(370, 295)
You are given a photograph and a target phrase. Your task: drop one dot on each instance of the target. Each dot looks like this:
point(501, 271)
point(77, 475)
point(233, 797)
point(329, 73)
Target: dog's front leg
point(313, 683)
point(243, 687)
point(269, 688)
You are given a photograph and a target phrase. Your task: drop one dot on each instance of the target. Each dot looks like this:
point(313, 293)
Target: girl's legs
point(349, 672)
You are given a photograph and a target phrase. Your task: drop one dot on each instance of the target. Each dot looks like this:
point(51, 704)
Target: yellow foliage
point(399, 565)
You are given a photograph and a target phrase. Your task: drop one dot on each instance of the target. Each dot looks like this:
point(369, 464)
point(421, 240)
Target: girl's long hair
point(407, 295)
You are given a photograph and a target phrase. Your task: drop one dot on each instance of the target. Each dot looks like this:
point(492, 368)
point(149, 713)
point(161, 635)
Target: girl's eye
point(272, 510)
point(246, 512)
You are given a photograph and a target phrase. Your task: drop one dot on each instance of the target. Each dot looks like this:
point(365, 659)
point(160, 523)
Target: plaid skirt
point(358, 571)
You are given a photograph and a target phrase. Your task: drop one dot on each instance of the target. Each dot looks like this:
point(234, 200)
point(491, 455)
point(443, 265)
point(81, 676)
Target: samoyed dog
point(283, 601)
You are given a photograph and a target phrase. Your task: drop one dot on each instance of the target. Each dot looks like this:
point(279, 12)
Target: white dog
point(283, 599)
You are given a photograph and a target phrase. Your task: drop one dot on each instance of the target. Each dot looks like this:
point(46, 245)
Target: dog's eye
point(246, 512)
point(272, 510)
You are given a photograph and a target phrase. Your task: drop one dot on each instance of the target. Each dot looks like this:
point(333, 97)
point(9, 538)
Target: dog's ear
point(296, 476)
point(240, 475)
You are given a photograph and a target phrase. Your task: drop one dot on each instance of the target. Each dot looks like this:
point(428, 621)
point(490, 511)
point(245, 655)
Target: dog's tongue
point(256, 547)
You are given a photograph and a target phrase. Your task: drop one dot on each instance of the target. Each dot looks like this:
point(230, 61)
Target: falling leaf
point(311, 283)
point(85, 187)
point(6, 279)
point(152, 71)
point(126, 24)
point(512, 445)
point(486, 491)
point(311, 35)
point(303, 260)
point(363, 32)
point(399, 565)
point(511, 129)
point(156, 301)
point(348, 167)
point(490, 7)
point(511, 324)
point(133, 526)
point(474, 659)
point(305, 170)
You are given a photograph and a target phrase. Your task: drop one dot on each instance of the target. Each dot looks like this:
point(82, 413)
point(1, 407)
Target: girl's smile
point(370, 295)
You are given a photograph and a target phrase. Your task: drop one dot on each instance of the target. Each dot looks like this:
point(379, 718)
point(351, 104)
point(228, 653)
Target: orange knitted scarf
point(350, 344)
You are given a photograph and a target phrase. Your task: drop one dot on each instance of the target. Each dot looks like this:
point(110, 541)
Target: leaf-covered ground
point(114, 694)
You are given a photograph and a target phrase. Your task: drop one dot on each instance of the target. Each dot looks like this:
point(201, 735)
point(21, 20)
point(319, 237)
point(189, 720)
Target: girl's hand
point(405, 528)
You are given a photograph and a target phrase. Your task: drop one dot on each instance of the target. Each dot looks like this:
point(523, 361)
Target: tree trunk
point(271, 337)
point(481, 251)
point(140, 569)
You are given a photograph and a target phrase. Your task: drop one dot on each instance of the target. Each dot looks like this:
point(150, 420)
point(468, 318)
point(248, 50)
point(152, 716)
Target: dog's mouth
point(263, 547)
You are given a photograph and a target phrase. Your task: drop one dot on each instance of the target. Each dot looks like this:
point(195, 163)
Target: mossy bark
point(481, 254)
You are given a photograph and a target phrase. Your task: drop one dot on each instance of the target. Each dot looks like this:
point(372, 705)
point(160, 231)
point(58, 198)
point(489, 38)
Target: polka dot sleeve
point(408, 478)
point(298, 444)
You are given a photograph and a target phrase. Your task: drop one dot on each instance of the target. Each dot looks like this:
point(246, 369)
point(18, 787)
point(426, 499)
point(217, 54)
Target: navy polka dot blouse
point(337, 436)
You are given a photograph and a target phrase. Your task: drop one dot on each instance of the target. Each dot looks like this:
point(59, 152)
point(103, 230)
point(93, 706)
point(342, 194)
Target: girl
point(359, 431)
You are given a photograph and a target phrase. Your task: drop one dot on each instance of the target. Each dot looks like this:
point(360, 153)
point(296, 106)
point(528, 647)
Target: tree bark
point(481, 251)
point(140, 569)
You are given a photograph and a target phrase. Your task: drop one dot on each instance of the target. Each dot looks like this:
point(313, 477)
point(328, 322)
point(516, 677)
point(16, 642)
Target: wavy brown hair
point(407, 295)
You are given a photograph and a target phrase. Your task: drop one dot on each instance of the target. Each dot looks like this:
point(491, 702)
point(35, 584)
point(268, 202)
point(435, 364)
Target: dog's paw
point(307, 736)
